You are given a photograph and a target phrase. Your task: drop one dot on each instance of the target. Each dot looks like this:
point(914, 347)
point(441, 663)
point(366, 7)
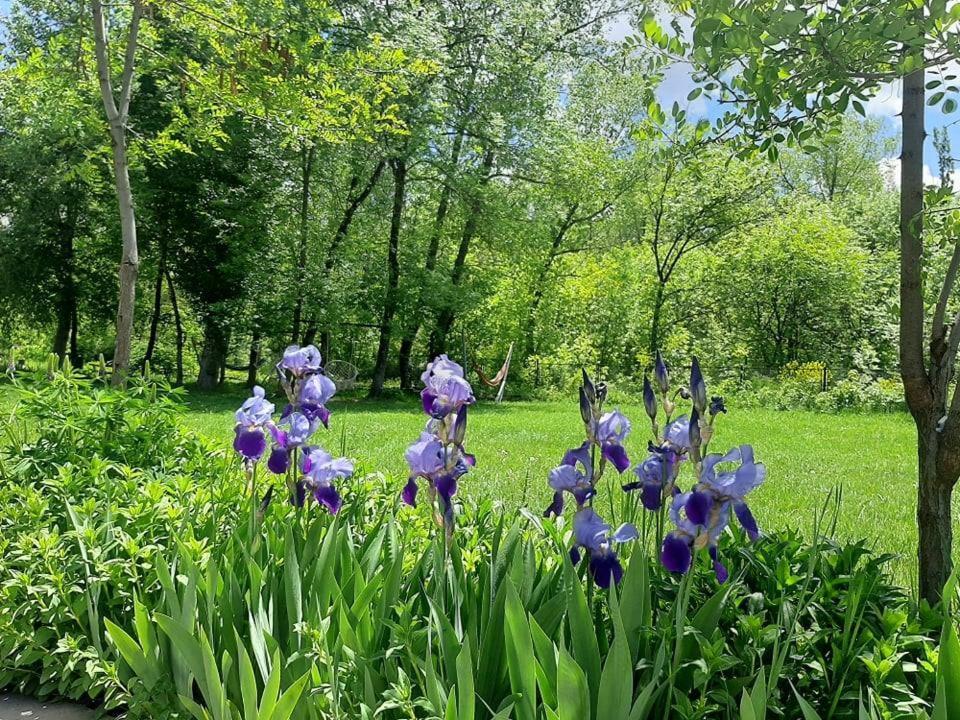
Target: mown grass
point(872, 457)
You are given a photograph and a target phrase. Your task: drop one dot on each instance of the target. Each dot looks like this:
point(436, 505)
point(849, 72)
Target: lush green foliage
point(547, 200)
point(150, 591)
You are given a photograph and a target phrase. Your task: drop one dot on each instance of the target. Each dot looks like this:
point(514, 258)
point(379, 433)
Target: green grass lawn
point(872, 456)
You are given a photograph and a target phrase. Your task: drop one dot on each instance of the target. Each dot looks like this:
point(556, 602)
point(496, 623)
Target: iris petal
point(409, 493)
point(329, 497)
point(747, 520)
point(278, 461)
point(251, 443)
point(616, 455)
point(698, 507)
point(675, 554)
point(606, 568)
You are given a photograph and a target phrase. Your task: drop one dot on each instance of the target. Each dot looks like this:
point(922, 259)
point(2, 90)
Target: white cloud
point(890, 171)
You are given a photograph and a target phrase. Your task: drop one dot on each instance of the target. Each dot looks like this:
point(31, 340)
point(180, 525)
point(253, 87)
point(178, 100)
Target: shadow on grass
point(228, 398)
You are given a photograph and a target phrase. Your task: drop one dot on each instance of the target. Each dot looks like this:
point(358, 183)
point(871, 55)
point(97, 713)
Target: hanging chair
point(343, 373)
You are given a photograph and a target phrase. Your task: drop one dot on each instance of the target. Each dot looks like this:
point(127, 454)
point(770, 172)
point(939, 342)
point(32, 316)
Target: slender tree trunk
point(254, 360)
point(116, 110)
point(129, 263)
point(438, 341)
point(67, 301)
point(430, 264)
point(157, 304)
point(655, 322)
point(399, 168)
point(213, 356)
point(298, 280)
point(540, 288)
point(354, 201)
point(178, 324)
point(75, 358)
point(925, 393)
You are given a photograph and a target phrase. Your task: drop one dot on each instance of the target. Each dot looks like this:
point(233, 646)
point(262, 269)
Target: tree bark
point(438, 341)
point(67, 302)
point(157, 304)
point(298, 280)
point(399, 168)
point(655, 322)
point(178, 324)
point(117, 113)
point(254, 360)
point(213, 356)
point(925, 392)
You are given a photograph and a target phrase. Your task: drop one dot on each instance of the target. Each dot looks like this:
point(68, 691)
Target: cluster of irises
point(438, 457)
point(309, 469)
point(699, 516)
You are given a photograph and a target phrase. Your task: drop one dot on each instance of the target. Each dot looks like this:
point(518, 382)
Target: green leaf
point(616, 682)
point(583, 636)
point(948, 669)
point(523, 677)
point(465, 691)
point(131, 653)
point(248, 682)
point(288, 701)
point(806, 708)
point(573, 699)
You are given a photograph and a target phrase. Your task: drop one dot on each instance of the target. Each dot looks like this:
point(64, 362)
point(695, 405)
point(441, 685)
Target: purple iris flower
point(677, 434)
point(612, 430)
point(322, 470)
point(293, 432)
point(699, 523)
point(575, 476)
point(592, 534)
point(446, 393)
point(657, 471)
point(300, 361)
point(731, 487)
point(426, 458)
point(253, 416)
point(315, 393)
point(440, 365)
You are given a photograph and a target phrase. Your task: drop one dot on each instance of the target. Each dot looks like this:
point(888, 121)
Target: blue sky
point(886, 104)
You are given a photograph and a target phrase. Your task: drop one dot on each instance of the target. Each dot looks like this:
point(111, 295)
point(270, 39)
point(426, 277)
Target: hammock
point(500, 379)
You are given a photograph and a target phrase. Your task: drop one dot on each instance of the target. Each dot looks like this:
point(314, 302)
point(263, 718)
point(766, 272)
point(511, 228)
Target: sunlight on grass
point(872, 456)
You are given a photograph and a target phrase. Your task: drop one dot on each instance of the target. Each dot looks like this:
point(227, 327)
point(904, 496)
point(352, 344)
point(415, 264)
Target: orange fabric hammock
point(496, 379)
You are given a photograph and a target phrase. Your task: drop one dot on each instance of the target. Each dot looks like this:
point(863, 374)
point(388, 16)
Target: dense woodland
point(393, 180)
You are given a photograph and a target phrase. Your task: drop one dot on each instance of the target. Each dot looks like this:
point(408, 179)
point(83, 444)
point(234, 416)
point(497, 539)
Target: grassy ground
point(872, 456)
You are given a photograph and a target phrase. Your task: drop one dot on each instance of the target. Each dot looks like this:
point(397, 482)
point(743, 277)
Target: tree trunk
point(438, 341)
point(354, 201)
point(75, 358)
point(933, 518)
point(157, 304)
point(925, 398)
point(298, 280)
point(178, 324)
point(399, 168)
point(213, 356)
point(530, 342)
point(430, 264)
point(116, 111)
point(254, 360)
point(67, 302)
point(655, 322)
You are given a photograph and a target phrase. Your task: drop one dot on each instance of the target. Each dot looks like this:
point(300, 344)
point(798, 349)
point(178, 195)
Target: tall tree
point(117, 109)
point(796, 67)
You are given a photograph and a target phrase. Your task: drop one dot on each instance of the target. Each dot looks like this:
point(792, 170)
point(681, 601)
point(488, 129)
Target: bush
point(173, 591)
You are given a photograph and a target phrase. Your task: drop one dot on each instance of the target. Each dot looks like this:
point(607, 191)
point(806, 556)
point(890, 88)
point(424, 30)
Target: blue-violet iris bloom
point(593, 535)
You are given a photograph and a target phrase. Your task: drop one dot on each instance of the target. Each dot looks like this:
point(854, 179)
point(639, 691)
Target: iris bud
point(586, 411)
point(649, 399)
point(695, 437)
point(588, 387)
point(661, 374)
point(698, 388)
